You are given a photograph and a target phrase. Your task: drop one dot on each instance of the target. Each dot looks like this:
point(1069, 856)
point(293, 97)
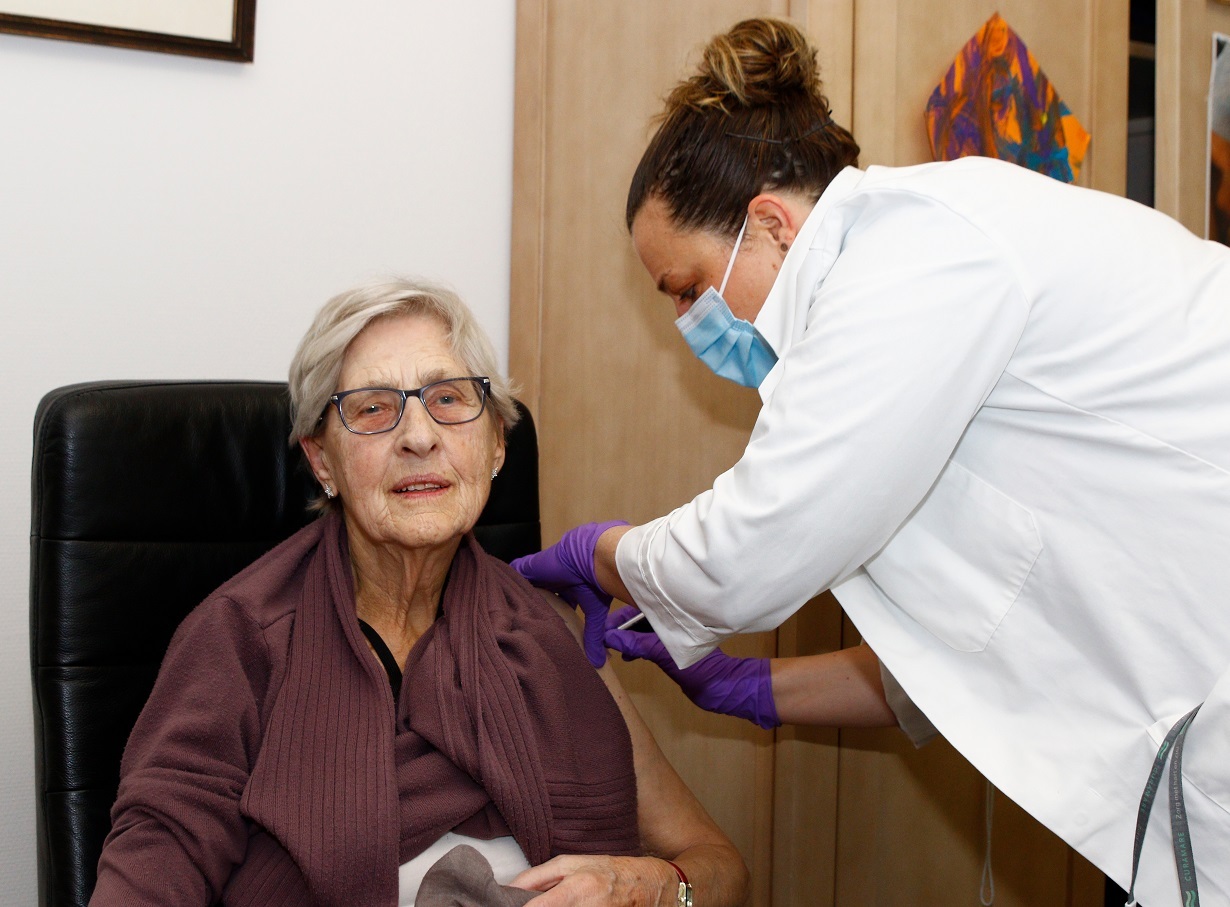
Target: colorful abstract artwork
point(995, 101)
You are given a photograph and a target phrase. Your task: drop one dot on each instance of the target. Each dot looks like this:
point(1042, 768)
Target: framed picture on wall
point(223, 29)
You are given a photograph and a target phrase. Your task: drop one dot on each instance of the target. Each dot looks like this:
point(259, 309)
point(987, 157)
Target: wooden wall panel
point(910, 823)
point(1184, 57)
point(528, 216)
point(630, 424)
point(914, 821)
point(657, 427)
point(829, 25)
point(805, 791)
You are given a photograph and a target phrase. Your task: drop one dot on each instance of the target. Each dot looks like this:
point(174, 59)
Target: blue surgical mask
point(731, 347)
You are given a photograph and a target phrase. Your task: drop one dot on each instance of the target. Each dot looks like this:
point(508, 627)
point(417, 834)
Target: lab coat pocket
point(957, 565)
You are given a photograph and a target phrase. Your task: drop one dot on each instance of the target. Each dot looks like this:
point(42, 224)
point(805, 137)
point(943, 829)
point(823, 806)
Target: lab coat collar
point(783, 317)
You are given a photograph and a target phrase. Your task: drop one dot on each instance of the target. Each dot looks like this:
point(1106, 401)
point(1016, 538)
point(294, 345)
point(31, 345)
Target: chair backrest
point(146, 497)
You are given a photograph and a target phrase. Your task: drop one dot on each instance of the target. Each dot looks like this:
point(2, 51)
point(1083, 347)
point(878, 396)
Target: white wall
point(163, 216)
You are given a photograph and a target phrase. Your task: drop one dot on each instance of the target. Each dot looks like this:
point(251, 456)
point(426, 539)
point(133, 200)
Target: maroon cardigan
point(272, 766)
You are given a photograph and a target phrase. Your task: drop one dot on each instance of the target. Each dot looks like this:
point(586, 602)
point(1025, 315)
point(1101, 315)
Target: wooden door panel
point(910, 823)
point(915, 821)
point(630, 424)
point(1184, 59)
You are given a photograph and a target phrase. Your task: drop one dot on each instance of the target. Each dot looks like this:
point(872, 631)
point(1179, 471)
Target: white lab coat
point(999, 430)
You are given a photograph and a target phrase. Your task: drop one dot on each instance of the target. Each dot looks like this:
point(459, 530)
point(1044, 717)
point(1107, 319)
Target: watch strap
point(685, 887)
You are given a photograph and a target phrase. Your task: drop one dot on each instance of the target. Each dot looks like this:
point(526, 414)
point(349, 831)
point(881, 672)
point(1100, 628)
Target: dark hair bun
point(752, 118)
point(754, 64)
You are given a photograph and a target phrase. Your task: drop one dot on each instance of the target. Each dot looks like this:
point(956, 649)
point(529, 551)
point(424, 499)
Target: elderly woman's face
point(423, 484)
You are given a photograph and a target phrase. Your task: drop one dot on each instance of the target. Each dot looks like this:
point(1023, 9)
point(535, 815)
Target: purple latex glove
point(567, 568)
point(718, 682)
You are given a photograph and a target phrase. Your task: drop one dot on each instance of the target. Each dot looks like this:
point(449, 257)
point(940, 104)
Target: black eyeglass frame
point(484, 386)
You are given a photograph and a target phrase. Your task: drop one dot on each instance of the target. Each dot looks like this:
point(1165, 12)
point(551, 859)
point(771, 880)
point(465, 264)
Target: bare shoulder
point(576, 624)
point(567, 613)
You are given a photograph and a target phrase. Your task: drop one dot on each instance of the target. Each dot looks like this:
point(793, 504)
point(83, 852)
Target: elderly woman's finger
point(544, 875)
point(582, 881)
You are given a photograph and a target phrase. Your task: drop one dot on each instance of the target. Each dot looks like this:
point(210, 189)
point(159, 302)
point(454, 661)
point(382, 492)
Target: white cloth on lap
point(504, 855)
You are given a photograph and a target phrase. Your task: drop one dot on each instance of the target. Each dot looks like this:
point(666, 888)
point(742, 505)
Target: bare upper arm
point(569, 614)
point(671, 819)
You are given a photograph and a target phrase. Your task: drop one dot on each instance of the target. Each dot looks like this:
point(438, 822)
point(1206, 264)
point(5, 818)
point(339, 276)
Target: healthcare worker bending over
point(996, 423)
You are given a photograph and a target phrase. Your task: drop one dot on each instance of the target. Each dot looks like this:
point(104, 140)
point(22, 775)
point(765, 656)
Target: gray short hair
point(317, 363)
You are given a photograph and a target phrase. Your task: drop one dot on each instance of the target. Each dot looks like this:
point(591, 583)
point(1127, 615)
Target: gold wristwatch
point(685, 888)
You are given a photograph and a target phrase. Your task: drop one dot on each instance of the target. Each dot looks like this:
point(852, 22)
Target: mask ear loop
point(733, 255)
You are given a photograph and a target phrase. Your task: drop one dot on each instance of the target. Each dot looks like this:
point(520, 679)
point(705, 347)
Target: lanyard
point(1184, 859)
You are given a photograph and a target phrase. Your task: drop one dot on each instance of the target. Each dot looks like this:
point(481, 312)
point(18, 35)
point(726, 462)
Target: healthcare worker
point(995, 422)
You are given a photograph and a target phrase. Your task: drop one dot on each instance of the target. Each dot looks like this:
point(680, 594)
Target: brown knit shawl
point(499, 710)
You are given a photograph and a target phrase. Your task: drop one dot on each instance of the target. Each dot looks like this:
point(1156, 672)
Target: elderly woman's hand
point(567, 568)
point(584, 881)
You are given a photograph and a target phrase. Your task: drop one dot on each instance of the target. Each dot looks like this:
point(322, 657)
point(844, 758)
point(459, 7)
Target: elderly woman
point(377, 688)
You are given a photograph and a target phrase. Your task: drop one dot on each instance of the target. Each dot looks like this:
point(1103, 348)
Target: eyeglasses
point(372, 410)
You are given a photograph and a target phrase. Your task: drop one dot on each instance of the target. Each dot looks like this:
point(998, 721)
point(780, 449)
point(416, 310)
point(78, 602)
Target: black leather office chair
point(146, 496)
